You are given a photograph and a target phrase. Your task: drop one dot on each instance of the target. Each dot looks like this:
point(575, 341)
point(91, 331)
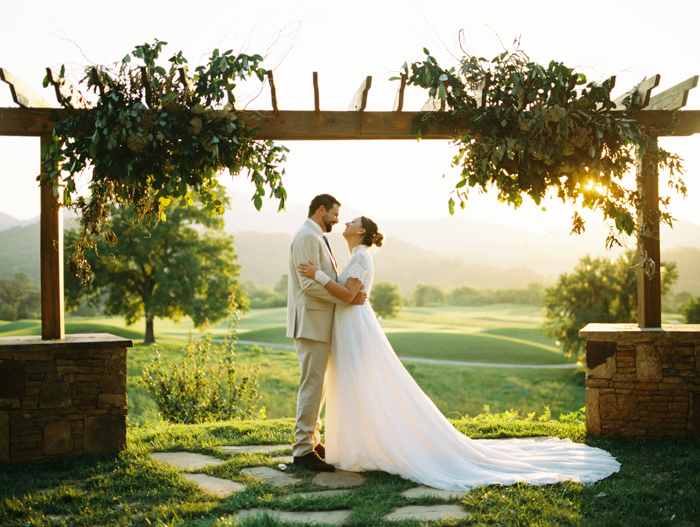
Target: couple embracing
point(377, 417)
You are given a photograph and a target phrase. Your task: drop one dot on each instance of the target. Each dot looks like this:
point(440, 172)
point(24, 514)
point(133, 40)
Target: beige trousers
point(314, 357)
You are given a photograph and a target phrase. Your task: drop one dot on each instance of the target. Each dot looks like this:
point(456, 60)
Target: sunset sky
point(344, 42)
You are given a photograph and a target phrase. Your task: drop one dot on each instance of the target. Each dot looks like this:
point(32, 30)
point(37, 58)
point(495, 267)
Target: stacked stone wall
point(62, 398)
point(642, 383)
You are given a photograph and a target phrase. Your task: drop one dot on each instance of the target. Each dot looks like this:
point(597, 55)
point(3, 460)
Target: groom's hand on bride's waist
point(360, 298)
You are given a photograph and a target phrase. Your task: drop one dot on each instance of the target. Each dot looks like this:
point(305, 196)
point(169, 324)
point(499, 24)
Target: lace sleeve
point(359, 266)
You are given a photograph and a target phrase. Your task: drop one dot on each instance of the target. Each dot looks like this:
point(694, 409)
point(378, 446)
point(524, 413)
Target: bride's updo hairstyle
point(372, 235)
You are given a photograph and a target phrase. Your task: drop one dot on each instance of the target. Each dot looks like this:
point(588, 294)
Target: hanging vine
point(154, 136)
point(526, 129)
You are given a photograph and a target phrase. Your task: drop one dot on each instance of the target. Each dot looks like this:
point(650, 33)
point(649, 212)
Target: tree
point(428, 294)
point(599, 290)
point(184, 266)
point(385, 299)
point(19, 298)
point(691, 311)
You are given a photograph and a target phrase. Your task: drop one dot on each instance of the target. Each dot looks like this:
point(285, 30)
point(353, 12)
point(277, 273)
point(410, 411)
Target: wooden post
point(648, 290)
point(52, 317)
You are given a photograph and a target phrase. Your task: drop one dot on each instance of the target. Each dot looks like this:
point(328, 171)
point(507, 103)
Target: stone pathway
point(254, 449)
point(271, 476)
point(423, 491)
point(217, 486)
point(427, 513)
point(320, 517)
point(316, 495)
point(341, 482)
point(185, 460)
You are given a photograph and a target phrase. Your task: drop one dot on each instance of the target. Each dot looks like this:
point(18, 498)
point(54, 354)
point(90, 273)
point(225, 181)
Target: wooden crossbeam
point(317, 95)
point(304, 125)
point(673, 98)
point(22, 93)
point(398, 100)
point(434, 104)
point(273, 91)
point(97, 79)
point(359, 101)
point(65, 91)
point(643, 92)
point(185, 81)
point(481, 90)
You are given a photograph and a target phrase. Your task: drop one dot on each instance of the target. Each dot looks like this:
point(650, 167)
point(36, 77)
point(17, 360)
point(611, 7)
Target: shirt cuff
point(322, 278)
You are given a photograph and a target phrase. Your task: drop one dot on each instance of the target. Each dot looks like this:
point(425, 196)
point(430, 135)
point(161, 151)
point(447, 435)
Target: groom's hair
point(322, 199)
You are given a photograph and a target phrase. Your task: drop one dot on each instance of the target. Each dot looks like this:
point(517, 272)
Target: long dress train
point(378, 418)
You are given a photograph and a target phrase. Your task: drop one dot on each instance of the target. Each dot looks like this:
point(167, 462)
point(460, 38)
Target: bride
point(378, 418)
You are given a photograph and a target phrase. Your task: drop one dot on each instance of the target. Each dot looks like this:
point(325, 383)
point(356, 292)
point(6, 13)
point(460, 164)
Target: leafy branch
point(526, 129)
point(154, 136)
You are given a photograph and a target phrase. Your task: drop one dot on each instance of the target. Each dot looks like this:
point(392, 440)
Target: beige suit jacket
point(309, 305)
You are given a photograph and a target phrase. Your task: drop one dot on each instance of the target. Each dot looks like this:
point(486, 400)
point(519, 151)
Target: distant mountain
point(448, 251)
point(477, 243)
point(263, 260)
point(7, 221)
point(20, 251)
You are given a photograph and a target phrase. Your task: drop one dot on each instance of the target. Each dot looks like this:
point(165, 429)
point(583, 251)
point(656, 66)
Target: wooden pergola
point(661, 115)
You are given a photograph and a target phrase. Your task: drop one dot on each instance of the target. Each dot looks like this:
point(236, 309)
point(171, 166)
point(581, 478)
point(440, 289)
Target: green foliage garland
point(526, 129)
point(156, 135)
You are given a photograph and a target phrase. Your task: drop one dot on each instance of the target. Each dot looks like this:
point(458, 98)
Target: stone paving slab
point(270, 475)
point(317, 518)
point(217, 486)
point(185, 460)
point(423, 491)
point(316, 495)
point(341, 479)
point(427, 513)
point(254, 449)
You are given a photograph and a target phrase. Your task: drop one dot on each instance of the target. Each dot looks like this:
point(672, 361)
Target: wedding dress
point(378, 418)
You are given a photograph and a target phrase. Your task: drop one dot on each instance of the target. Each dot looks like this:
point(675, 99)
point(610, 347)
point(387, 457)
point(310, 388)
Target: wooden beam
point(186, 82)
point(673, 98)
point(317, 95)
point(22, 93)
point(359, 101)
point(398, 100)
point(433, 104)
point(303, 125)
point(643, 92)
point(481, 90)
point(273, 91)
point(51, 245)
point(648, 214)
point(65, 91)
point(97, 80)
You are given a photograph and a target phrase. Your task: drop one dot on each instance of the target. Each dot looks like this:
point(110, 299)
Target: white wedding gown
point(378, 418)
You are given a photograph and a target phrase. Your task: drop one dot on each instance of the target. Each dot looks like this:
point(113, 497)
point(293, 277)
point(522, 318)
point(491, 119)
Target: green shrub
point(196, 392)
point(691, 311)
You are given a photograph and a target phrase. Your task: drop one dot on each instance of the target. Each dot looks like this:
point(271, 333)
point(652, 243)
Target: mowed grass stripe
point(473, 347)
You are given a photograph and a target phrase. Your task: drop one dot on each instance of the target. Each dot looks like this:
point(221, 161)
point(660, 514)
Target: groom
point(309, 321)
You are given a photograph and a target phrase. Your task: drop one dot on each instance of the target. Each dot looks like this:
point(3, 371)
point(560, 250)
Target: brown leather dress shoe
point(320, 450)
point(314, 462)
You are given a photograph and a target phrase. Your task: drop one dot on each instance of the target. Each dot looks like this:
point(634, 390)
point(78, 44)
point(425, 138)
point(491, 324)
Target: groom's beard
point(329, 226)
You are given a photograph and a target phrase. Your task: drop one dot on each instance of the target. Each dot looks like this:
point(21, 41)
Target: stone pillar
point(642, 382)
point(61, 398)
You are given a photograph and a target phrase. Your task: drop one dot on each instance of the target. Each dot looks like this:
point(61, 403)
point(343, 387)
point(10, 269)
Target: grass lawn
point(499, 334)
point(658, 484)
point(456, 390)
